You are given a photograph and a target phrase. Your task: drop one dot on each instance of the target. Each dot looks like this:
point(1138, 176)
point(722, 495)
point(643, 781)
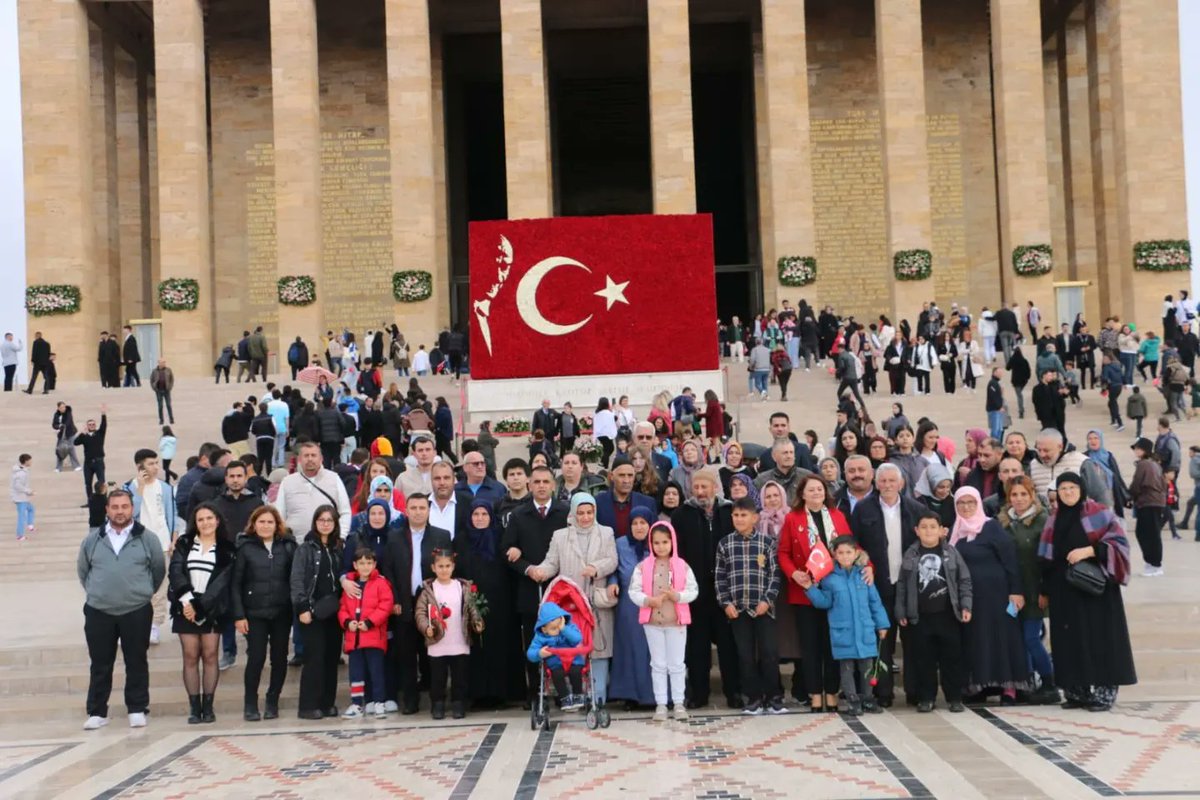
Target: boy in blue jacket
point(555, 629)
point(857, 621)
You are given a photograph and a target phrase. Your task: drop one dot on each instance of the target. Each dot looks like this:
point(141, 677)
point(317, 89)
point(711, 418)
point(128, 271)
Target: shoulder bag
point(1088, 577)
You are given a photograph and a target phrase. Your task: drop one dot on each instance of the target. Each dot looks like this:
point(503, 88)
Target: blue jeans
point(366, 671)
point(1128, 360)
point(1039, 659)
point(279, 458)
point(760, 380)
point(24, 517)
point(996, 424)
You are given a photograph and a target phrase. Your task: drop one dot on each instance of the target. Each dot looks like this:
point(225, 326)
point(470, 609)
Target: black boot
point(206, 709)
point(458, 710)
point(438, 710)
point(194, 707)
point(250, 714)
point(272, 710)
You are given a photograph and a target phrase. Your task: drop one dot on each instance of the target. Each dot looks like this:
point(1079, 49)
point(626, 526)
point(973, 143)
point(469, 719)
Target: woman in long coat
point(993, 643)
point(496, 668)
point(586, 553)
point(631, 655)
point(1088, 633)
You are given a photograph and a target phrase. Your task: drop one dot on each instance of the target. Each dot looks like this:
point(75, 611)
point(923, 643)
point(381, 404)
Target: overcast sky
point(12, 225)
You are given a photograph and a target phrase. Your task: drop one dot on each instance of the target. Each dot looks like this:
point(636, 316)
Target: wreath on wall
point(43, 300)
point(797, 270)
point(912, 265)
point(1165, 255)
point(296, 290)
point(1033, 259)
point(178, 294)
point(412, 286)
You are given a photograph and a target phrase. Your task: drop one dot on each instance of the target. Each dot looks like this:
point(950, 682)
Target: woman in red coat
point(714, 419)
point(813, 518)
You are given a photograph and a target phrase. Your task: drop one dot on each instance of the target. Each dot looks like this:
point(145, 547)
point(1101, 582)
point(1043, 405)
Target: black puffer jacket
point(305, 569)
point(329, 426)
point(262, 578)
point(214, 603)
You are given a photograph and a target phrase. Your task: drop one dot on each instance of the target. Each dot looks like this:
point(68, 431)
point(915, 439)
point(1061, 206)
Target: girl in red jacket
point(365, 621)
point(814, 518)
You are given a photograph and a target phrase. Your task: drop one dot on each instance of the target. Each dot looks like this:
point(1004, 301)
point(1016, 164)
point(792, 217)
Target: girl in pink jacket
point(662, 586)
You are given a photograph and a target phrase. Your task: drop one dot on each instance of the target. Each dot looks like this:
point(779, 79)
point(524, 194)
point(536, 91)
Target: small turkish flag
point(592, 296)
point(819, 563)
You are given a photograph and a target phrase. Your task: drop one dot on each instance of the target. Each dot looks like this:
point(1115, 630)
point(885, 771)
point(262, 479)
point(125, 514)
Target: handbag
point(1088, 577)
point(326, 607)
point(600, 597)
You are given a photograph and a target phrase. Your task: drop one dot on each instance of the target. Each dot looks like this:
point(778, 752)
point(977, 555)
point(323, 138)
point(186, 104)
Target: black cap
point(1142, 443)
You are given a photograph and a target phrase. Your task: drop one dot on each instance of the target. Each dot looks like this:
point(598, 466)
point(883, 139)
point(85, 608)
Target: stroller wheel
point(605, 717)
point(592, 719)
point(546, 721)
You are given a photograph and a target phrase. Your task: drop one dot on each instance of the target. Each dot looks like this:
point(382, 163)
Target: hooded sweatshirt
point(569, 636)
point(653, 576)
point(19, 488)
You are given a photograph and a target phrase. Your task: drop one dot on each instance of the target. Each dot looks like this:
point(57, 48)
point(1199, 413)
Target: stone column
point(183, 190)
point(296, 115)
point(790, 230)
point(1104, 171)
point(410, 132)
point(1151, 195)
point(1077, 148)
point(57, 131)
point(901, 67)
point(526, 115)
point(672, 155)
point(1021, 148)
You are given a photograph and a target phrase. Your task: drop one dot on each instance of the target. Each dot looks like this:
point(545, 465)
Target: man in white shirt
point(154, 507)
point(418, 478)
point(445, 511)
point(309, 487)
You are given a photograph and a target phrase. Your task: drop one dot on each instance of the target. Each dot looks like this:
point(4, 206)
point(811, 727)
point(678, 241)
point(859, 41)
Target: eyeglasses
point(644, 437)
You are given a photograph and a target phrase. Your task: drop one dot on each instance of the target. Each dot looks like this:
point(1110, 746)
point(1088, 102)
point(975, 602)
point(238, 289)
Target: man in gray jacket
point(120, 564)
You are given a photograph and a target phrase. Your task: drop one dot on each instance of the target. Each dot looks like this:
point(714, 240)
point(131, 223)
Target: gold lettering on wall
point(946, 199)
point(848, 195)
point(261, 296)
point(356, 210)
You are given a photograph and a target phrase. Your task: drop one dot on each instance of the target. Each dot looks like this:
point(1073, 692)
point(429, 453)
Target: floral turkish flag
point(592, 296)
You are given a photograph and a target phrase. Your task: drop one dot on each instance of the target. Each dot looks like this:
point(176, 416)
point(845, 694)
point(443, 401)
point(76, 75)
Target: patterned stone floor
point(1140, 749)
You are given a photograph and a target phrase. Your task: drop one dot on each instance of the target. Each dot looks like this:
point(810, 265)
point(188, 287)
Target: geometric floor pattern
point(1137, 749)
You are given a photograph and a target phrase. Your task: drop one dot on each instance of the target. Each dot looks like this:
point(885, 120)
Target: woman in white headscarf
point(586, 553)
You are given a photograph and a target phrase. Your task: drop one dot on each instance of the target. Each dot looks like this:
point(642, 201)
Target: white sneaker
point(391, 707)
point(154, 639)
point(380, 711)
point(137, 720)
point(1152, 572)
point(354, 711)
point(77, 469)
point(58, 469)
point(681, 713)
point(369, 708)
point(95, 723)
point(660, 714)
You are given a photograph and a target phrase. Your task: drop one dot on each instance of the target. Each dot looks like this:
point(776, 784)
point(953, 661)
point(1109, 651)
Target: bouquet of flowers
point(512, 425)
point(1037, 259)
point(296, 290)
point(412, 286)
point(47, 299)
point(797, 270)
point(912, 265)
point(589, 450)
point(178, 294)
point(1163, 256)
point(585, 423)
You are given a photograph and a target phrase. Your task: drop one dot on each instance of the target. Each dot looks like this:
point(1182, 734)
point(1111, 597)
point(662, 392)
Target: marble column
point(296, 115)
point(57, 134)
point(672, 155)
point(1147, 108)
point(1077, 151)
point(1104, 171)
point(1023, 173)
point(183, 186)
point(411, 118)
point(790, 228)
point(901, 68)
point(526, 114)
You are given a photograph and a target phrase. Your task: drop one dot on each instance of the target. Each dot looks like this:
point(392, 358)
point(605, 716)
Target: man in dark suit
point(39, 357)
point(525, 542)
point(545, 419)
point(613, 507)
point(130, 358)
point(110, 361)
point(643, 440)
point(884, 524)
point(406, 574)
point(449, 509)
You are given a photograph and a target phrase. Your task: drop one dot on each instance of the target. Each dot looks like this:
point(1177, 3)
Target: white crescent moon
point(527, 297)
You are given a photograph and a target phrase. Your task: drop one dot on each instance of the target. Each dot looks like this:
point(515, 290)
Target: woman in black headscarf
point(497, 673)
point(1088, 632)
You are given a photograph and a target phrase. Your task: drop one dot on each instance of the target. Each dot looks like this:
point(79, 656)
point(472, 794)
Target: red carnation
point(474, 588)
point(874, 681)
point(445, 612)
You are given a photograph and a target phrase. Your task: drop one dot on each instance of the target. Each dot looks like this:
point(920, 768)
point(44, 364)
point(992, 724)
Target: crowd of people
point(346, 524)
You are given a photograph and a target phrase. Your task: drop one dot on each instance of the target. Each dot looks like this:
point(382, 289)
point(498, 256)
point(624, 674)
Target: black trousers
point(217, 372)
point(784, 377)
point(852, 386)
point(559, 678)
point(870, 380)
point(265, 448)
point(565, 446)
point(710, 626)
point(922, 381)
point(817, 666)
point(331, 453)
point(131, 374)
point(271, 631)
point(10, 372)
point(1149, 534)
point(93, 470)
point(103, 631)
point(896, 376)
point(37, 370)
point(318, 677)
point(606, 448)
point(885, 689)
point(404, 661)
point(758, 656)
point(454, 668)
point(948, 370)
point(935, 642)
point(1114, 408)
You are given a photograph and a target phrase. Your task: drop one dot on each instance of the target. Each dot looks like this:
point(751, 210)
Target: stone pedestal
point(526, 117)
point(672, 156)
point(55, 105)
point(183, 188)
point(296, 116)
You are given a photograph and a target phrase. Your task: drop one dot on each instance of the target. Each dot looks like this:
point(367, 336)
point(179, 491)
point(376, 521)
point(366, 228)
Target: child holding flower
point(449, 612)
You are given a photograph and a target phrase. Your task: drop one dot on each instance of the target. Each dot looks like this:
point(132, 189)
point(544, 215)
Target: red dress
point(714, 421)
point(794, 548)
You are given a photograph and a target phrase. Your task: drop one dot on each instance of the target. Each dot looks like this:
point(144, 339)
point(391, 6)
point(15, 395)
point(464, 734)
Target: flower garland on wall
point(511, 425)
point(296, 290)
point(1033, 259)
point(412, 286)
point(43, 300)
point(912, 265)
point(1167, 255)
point(797, 270)
point(178, 294)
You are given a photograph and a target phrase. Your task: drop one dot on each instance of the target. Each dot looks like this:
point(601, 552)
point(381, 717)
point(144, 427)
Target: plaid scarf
point(1101, 525)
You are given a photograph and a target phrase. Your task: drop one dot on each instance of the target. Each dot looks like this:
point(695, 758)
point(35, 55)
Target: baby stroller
point(567, 594)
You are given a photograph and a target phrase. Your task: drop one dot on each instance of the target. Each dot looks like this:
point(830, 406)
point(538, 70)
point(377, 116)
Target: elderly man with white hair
point(785, 471)
point(1053, 459)
point(643, 442)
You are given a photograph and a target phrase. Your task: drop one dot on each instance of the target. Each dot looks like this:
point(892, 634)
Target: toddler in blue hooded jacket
point(555, 630)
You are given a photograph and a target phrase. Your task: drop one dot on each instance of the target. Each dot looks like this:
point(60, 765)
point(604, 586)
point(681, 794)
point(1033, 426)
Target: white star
point(613, 292)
